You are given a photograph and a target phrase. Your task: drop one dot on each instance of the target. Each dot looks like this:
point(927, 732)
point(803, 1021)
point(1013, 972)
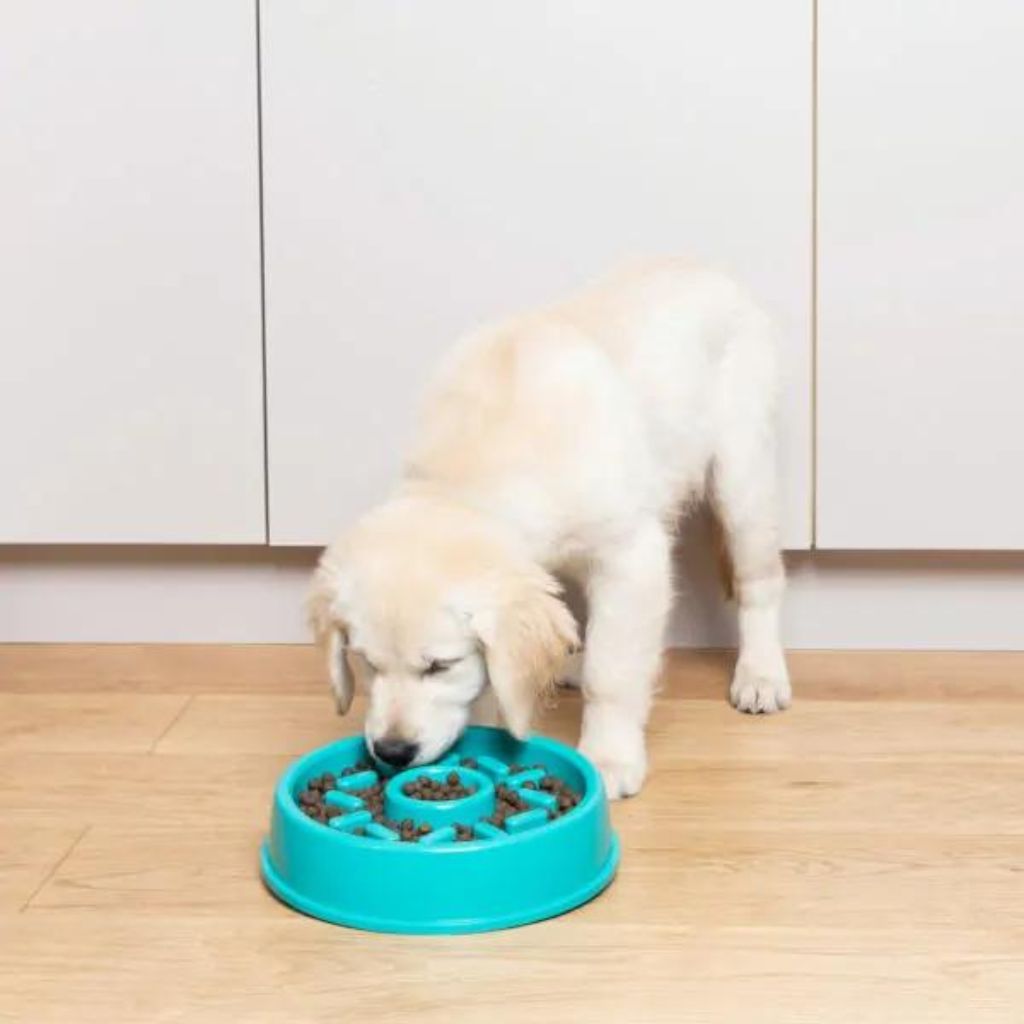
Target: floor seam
point(53, 871)
point(171, 724)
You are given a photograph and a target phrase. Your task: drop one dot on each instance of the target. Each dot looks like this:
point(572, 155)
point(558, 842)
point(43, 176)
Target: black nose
point(395, 752)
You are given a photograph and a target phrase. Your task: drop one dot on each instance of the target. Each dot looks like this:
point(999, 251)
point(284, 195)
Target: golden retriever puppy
point(565, 441)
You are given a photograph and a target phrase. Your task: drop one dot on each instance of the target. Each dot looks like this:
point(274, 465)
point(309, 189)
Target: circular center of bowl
point(475, 799)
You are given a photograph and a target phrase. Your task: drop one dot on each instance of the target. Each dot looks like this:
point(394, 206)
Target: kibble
point(508, 799)
point(426, 788)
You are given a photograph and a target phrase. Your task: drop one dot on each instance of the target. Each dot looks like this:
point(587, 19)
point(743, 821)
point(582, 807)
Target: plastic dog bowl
point(354, 871)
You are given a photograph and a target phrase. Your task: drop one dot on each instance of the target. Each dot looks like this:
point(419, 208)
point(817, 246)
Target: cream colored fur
point(570, 441)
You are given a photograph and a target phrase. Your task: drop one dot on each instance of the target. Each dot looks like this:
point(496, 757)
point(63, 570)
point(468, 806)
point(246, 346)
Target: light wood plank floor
point(860, 858)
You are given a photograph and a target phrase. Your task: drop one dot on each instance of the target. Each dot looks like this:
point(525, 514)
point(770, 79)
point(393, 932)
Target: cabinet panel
point(427, 166)
point(131, 388)
point(921, 245)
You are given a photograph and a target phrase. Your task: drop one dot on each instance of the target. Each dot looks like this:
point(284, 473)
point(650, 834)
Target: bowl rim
point(593, 795)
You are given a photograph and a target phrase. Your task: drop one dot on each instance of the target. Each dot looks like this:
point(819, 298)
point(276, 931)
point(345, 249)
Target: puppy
point(568, 440)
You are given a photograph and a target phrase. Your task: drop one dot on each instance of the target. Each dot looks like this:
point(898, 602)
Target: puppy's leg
point(630, 592)
point(745, 500)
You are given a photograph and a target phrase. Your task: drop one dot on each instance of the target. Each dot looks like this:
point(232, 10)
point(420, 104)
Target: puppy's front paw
point(619, 755)
point(621, 779)
point(760, 691)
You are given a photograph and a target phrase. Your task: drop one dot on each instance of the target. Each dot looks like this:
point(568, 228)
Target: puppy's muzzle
point(396, 752)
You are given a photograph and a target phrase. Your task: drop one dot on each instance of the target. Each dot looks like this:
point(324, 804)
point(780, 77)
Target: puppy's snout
point(396, 752)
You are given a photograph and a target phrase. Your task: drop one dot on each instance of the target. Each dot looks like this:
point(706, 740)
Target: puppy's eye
point(437, 666)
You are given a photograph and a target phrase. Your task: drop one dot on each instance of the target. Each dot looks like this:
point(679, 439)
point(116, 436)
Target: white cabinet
point(130, 382)
point(429, 165)
point(921, 250)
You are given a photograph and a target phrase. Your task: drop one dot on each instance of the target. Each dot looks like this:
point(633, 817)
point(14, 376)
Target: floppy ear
point(331, 634)
point(527, 635)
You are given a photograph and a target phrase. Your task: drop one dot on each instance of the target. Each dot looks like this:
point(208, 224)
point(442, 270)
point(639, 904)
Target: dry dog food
point(448, 788)
point(312, 803)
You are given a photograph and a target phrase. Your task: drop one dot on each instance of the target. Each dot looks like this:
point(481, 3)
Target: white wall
point(740, 128)
point(246, 595)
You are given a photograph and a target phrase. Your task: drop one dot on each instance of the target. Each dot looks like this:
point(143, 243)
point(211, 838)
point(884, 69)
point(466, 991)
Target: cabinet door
point(130, 389)
point(431, 165)
point(921, 247)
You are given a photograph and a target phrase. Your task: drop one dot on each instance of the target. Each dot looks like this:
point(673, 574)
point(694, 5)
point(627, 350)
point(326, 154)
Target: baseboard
point(255, 595)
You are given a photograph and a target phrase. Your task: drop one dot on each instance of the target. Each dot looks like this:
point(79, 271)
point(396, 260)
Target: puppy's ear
point(331, 634)
point(527, 634)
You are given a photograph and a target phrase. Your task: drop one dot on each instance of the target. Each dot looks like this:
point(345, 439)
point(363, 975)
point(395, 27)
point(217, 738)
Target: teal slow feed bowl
point(543, 860)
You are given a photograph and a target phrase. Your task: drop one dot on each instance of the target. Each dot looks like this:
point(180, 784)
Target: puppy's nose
point(395, 752)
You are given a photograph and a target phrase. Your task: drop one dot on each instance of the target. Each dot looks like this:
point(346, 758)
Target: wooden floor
point(860, 858)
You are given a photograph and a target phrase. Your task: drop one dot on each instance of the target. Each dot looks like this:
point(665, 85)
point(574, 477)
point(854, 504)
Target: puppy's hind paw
point(760, 692)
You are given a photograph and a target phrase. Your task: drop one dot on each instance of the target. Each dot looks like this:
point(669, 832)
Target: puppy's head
point(433, 605)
